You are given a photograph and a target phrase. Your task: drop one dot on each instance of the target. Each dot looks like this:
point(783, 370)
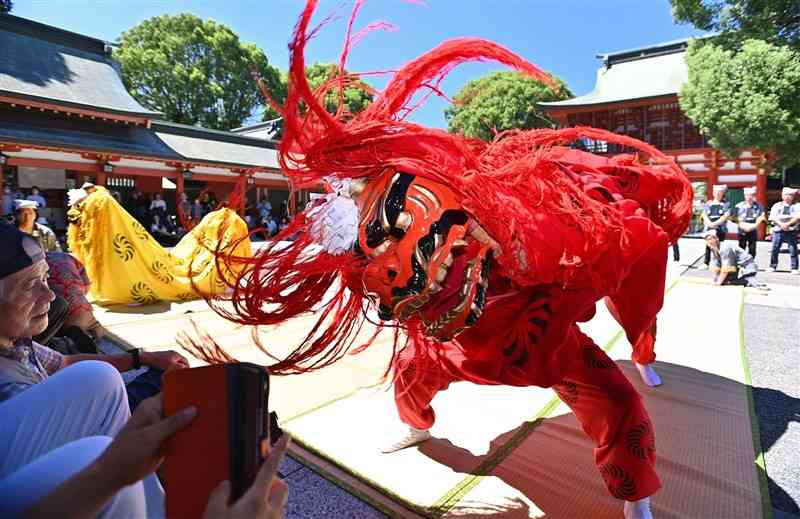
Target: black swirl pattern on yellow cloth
point(123, 247)
point(162, 272)
point(140, 231)
point(186, 296)
point(201, 268)
point(142, 293)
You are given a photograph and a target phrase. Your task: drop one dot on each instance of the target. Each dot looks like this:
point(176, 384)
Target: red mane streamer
point(552, 209)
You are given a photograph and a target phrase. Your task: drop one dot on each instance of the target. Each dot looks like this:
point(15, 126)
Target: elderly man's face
point(749, 198)
point(24, 301)
point(788, 198)
point(26, 216)
point(719, 195)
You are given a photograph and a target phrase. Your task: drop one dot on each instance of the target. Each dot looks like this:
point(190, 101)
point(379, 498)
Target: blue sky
point(561, 36)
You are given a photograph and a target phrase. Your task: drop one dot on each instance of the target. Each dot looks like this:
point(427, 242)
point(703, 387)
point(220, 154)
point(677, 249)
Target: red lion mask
point(421, 259)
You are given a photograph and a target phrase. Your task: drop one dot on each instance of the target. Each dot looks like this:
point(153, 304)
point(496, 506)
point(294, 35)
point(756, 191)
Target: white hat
point(709, 233)
point(788, 191)
point(750, 190)
point(26, 204)
point(87, 185)
point(720, 187)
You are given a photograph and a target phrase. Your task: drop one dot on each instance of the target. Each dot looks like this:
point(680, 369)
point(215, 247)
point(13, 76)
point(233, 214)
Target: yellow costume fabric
point(126, 265)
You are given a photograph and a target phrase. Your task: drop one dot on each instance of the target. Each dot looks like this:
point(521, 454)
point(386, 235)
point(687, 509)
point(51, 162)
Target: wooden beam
point(93, 155)
point(144, 172)
point(564, 111)
point(273, 184)
point(45, 106)
point(52, 164)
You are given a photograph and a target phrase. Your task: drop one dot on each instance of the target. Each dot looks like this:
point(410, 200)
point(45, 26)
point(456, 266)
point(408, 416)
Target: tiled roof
point(43, 63)
point(643, 73)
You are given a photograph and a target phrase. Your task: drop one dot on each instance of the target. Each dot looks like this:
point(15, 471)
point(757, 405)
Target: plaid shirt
point(46, 238)
point(39, 361)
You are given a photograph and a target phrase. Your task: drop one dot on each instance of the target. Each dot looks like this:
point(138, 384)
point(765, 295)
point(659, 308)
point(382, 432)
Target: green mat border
point(759, 462)
point(453, 496)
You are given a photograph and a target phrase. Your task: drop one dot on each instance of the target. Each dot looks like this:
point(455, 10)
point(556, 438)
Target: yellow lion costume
point(126, 265)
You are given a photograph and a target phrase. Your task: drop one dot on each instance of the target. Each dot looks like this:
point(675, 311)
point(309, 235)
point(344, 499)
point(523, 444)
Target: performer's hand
point(137, 449)
point(264, 500)
point(165, 360)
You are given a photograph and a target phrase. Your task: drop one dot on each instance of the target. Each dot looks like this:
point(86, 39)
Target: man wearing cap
point(26, 215)
point(731, 264)
point(749, 214)
point(25, 300)
point(715, 215)
point(785, 217)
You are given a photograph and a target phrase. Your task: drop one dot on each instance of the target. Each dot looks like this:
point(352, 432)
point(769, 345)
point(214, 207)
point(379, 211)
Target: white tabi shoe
point(412, 437)
point(648, 374)
point(638, 509)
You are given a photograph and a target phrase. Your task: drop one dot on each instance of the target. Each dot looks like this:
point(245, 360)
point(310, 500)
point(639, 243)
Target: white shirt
point(782, 212)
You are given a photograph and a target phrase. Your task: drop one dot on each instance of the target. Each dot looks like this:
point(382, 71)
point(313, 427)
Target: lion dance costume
point(481, 256)
point(126, 265)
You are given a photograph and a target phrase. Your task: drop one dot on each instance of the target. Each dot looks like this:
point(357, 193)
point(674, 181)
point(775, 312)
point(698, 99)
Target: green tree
point(775, 21)
point(355, 98)
point(501, 101)
point(194, 71)
point(5, 6)
point(745, 99)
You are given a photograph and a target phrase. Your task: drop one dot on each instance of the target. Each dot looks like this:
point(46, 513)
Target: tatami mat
point(475, 425)
point(490, 458)
point(290, 396)
point(700, 413)
point(502, 451)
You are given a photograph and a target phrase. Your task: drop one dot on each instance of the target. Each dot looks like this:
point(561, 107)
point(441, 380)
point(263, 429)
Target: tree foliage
point(5, 6)
point(501, 101)
point(356, 97)
point(745, 99)
point(194, 71)
point(775, 21)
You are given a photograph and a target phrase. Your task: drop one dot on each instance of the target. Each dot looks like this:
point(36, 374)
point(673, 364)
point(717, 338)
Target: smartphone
point(223, 442)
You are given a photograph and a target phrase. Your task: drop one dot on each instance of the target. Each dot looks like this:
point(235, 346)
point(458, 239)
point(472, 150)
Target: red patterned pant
point(607, 406)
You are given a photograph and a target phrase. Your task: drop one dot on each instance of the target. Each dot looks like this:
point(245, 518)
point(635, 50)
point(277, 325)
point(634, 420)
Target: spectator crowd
point(734, 263)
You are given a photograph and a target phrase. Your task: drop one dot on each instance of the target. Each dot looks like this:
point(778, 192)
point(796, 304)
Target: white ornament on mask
point(335, 221)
